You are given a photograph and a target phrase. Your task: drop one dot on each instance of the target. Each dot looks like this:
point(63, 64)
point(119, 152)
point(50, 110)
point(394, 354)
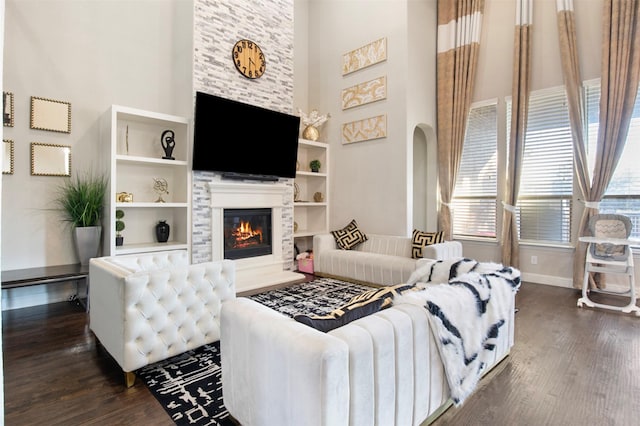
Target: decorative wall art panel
point(364, 56)
point(364, 130)
point(364, 93)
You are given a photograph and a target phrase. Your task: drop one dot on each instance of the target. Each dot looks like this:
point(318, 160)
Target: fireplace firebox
point(247, 233)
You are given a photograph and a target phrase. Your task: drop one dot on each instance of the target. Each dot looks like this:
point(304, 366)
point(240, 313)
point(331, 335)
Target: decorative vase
point(311, 133)
point(162, 231)
point(119, 240)
point(87, 242)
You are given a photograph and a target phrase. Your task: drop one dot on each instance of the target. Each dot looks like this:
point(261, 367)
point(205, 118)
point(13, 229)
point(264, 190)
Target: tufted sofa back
point(148, 307)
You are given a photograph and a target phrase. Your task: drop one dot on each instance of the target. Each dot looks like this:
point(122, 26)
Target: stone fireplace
point(238, 209)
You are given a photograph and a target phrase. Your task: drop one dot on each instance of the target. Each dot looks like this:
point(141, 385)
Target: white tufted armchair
point(151, 306)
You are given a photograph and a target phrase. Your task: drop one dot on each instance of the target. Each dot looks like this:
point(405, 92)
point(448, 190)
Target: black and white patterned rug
point(189, 386)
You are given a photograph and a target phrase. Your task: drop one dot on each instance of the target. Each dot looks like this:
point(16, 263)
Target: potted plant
point(315, 165)
point(119, 227)
point(81, 200)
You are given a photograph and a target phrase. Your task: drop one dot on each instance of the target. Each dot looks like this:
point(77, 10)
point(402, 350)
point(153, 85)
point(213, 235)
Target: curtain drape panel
point(619, 85)
point(519, 106)
point(459, 27)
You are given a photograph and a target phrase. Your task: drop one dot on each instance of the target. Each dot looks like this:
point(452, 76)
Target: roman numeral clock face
point(249, 59)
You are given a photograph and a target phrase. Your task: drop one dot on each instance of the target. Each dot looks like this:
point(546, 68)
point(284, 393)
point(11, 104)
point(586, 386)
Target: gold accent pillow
point(421, 239)
point(349, 236)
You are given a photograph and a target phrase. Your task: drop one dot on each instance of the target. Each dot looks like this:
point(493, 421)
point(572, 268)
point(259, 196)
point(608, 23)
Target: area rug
point(189, 386)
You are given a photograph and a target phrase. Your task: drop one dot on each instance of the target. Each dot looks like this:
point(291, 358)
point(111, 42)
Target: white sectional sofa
point(381, 260)
point(144, 308)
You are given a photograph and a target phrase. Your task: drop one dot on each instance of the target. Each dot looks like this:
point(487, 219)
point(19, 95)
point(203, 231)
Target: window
point(546, 184)
point(474, 196)
point(623, 194)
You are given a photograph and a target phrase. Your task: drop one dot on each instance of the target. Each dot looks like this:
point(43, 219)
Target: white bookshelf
point(131, 138)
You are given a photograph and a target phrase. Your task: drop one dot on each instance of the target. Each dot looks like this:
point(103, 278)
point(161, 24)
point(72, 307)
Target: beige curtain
point(459, 26)
point(519, 107)
point(619, 86)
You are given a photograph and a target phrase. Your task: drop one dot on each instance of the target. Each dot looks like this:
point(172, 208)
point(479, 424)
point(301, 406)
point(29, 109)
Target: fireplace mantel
point(260, 271)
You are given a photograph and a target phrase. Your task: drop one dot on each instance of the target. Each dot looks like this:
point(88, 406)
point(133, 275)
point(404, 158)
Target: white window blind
point(474, 197)
point(623, 193)
point(546, 184)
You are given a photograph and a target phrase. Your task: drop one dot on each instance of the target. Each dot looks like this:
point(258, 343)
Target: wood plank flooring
point(570, 366)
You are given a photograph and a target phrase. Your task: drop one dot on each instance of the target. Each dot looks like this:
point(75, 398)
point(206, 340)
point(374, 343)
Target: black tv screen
point(243, 141)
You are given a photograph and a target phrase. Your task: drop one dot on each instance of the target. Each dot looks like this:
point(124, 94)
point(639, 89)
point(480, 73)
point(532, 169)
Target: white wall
point(91, 54)
point(368, 179)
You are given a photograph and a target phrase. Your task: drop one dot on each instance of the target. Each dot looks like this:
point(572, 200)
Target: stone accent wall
point(217, 26)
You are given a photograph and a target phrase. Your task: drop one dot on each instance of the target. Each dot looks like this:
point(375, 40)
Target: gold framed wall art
point(7, 109)
point(7, 157)
point(50, 159)
point(365, 129)
point(364, 56)
point(364, 93)
point(51, 115)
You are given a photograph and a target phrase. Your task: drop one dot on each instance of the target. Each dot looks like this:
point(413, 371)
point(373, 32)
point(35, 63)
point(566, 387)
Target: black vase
point(162, 231)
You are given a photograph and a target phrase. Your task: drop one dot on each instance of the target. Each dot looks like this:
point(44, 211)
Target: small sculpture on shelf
point(168, 143)
point(124, 197)
point(160, 186)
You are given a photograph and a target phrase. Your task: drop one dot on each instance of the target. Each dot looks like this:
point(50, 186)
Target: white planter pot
point(87, 242)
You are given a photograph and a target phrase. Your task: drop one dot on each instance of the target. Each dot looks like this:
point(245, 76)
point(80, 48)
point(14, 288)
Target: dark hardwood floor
point(570, 366)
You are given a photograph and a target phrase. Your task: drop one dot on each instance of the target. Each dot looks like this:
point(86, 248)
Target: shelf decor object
point(364, 56)
point(364, 93)
point(160, 186)
point(51, 115)
point(366, 129)
point(119, 227)
point(312, 123)
point(162, 231)
point(7, 157)
point(7, 109)
point(168, 143)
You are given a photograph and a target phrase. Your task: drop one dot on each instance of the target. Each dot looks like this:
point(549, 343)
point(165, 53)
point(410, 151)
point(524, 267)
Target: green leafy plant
point(315, 165)
point(119, 223)
point(81, 199)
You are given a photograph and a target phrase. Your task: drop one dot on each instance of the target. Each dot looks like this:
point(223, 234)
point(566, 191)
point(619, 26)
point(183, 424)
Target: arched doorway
point(425, 178)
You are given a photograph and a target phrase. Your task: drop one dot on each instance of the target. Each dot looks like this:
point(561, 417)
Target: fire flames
point(245, 236)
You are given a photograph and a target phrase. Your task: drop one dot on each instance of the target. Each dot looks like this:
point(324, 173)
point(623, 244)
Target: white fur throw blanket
point(466, 314)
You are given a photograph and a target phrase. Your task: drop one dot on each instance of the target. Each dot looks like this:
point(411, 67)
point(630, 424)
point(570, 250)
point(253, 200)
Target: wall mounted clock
point(248, 58)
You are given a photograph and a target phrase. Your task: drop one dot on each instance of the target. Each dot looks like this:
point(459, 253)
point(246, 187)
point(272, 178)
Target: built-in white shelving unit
point(311, 217)
point(132, 140)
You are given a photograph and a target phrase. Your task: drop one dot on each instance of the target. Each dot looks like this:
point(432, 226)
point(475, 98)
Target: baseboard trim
point(547, 280)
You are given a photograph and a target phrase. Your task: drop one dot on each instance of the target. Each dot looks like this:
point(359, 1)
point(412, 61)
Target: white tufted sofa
point(148, 307)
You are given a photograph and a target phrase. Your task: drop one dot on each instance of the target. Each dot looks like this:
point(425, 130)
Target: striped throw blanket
point(467, 313)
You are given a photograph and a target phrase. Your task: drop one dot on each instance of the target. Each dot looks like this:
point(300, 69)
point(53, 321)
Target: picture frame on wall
point(51, 115)
point(7, 157)
point(7, 109)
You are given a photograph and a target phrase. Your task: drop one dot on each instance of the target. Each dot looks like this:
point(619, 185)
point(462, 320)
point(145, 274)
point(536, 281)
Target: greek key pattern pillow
point(349, 236)
point(420, 239)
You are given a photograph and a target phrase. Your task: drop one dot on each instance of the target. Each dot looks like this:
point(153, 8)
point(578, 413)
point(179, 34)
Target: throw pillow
point(420, 239)
point(359, 306)
point(349, 236)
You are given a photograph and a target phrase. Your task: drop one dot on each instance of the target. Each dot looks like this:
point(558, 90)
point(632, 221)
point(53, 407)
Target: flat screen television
point(243, 141)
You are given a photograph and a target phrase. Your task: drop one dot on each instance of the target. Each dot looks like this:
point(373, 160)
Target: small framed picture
point(51, 115)
point(7, 109)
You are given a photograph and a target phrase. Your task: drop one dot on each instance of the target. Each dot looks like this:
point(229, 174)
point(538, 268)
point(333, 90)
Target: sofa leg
point(129, 378)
